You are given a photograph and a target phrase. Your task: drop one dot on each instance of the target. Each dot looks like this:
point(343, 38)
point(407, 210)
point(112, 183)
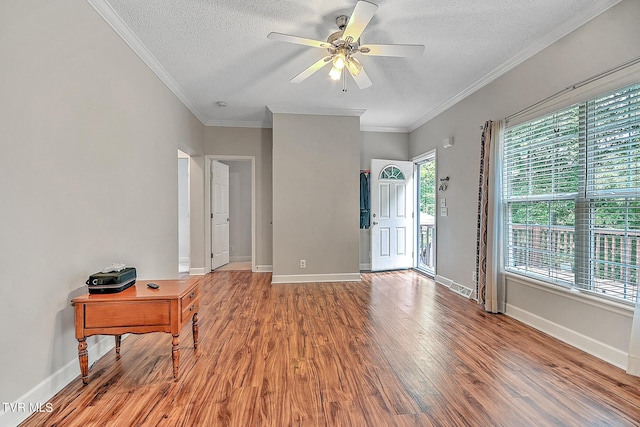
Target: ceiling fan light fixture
point(335, 73)
point(339, 60)
point(354, 66)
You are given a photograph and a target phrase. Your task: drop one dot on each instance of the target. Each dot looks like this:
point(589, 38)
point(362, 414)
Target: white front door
point(391, 215)
point(219, 214)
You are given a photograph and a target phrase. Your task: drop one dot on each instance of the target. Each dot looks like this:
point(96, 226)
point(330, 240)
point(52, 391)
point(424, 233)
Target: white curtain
point(489, 247)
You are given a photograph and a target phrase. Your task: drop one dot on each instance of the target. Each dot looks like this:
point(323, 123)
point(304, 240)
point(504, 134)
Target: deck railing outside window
point(549, 252)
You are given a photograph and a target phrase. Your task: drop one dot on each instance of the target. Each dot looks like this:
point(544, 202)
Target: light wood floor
point(236, 266)
point(393, 350)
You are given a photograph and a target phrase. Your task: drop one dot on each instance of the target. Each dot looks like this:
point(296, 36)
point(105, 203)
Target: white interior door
point(391, 215)
point(219, 214)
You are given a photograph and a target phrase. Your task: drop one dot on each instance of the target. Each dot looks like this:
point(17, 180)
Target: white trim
point(384, 129)
point(308, 278)
point(200, 271)
point(262, 269)
point(572, 293)
point(207, 207)
point(431, 155)
point(277, 109)
point(112, 18)
point(51, 385)
point(183, 260)
point(426, 156)
point(238, 124)
point(365, 266)
point(596, 348)
point(590, 12)
point(633, 368)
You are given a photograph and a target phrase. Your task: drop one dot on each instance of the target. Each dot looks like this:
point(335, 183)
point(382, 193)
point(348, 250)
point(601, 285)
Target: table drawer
point(192, 295)
point(190, 304)
point(189, 308)
point(148, 313)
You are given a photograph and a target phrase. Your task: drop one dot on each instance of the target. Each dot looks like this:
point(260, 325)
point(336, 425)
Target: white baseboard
point(365, 267)
point(35, 399)
point(183, 260)
point(598, 349)
point(307, 278)
point(633, 368)
point(197, 271)
point(263, 269)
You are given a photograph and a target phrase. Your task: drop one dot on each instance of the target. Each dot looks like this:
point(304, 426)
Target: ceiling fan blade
point(392, 49)
point(298, 40)
point(362, 79)
point(312, 69)
point(360, 18)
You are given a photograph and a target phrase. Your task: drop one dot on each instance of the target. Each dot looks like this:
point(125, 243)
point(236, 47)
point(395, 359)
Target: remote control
point(153, 285)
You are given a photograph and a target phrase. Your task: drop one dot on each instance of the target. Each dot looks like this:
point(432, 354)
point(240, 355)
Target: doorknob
point(374, 223)
point(228, 219)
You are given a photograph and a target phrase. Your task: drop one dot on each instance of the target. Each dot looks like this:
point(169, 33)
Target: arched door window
point(391, 172)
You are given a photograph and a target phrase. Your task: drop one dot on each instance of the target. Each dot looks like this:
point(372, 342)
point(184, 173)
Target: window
point(571, 194)
point(391, 172)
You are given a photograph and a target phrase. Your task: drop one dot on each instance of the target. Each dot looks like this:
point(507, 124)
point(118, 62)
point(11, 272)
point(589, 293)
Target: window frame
point(585, 200)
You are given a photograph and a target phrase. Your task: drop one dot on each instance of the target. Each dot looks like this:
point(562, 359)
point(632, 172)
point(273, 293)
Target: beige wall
point(316, 211)
point(229, 141)
point(608, 40)
point(88, 176)
point(383, 145)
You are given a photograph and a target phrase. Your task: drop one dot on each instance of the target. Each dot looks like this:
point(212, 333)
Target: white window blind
point(571, 194)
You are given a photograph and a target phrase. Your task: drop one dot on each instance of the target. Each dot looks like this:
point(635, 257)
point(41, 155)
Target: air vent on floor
point(461, 290)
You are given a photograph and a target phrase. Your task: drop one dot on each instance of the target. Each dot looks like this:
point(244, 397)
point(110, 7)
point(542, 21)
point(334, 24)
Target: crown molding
point(384, 129)
point(569, 26)
point(238, 124)
point(114, 20)
point(278, 109)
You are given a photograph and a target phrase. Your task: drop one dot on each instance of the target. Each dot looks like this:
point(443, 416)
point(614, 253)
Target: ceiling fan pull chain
point(344, 80)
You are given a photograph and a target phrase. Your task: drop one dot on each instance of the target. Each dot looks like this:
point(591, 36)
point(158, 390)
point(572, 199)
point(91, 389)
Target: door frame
point(207, 206)
point(419, 159)
point(410, 207)
point(181, 193)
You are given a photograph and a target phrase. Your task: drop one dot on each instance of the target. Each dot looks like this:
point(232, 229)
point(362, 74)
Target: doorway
point(184, 241)
point(391, 215)
point(240, 243)
point(426, 217)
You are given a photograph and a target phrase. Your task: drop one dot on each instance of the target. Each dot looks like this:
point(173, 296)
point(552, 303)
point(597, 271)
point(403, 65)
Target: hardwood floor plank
point(394, 349)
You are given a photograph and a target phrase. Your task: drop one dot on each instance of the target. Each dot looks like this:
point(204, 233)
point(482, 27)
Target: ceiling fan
point(344, 44)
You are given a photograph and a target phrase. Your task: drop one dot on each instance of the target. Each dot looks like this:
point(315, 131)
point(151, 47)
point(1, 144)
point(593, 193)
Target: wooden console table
point(138, 310)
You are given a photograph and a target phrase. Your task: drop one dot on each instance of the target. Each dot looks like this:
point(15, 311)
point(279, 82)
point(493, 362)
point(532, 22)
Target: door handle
point(374, 223)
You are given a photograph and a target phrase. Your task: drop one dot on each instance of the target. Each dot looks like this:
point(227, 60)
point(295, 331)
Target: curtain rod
point(575, 86)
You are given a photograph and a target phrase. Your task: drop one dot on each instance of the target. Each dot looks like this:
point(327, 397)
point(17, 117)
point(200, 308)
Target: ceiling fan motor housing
point(341, 21)
point(349, 47)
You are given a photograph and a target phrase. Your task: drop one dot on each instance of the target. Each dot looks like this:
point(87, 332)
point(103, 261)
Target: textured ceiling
point(217, 50)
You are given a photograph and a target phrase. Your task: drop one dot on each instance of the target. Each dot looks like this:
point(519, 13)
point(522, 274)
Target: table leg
point(195, 331)
point(83, 356)
point(175, 355)
point(118, 341)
